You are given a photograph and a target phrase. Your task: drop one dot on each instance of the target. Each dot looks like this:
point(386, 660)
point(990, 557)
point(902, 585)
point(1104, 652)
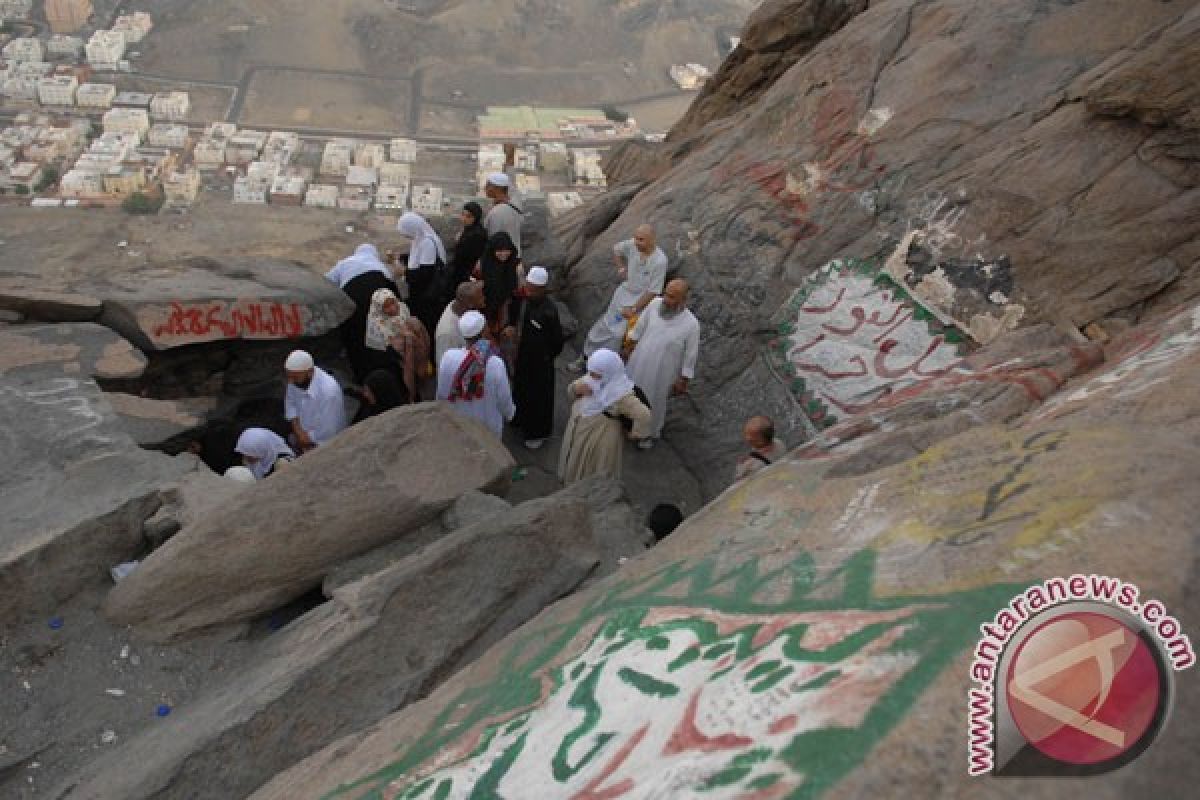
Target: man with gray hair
point(642, 268)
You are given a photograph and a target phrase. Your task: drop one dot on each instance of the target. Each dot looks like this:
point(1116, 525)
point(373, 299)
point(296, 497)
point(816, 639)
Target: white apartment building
point(245, 146)
point(526, 158)
point(337, 156)
point(81, 183)
point(64, 46)
point(209, 153)
point(491, 158)
point(134, 26)
point(394, 174)
point(23, 79)
point(220, 130)
point(58, 90)
point(126, 120)
point(181, 187)
point(281, 147)
point(585, 168)
point(15, 9)
point(391, 198)
point(369, 154)
point(95, 95)
point(288, 189)
point(105, 49)
point(170, 105)
point(354, 198)
point(403, 150)
point(25, 48)
point(168, 134)
point(427, 199)
point(250, 190)
point(362, 176)
point(55, 143)
point(321, 195)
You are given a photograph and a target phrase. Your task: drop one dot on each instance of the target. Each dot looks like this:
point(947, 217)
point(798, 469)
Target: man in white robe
point(642, 267)
point(666, 342)
point(313, 403)
point(474, 380)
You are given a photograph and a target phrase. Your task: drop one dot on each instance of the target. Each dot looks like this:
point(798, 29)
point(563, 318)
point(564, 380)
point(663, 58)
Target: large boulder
point(811, 632)
point(378, 645)
point(374, 483)
point(202, 300)
point(76, 487)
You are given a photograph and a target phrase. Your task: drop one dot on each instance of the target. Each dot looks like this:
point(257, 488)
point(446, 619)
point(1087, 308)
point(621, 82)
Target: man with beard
point(468, 297)
point(313, 403)
point(539, 341)
point(666, 342)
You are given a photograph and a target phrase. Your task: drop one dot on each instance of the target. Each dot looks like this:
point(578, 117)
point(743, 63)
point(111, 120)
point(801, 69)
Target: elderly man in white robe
point(642, 268)
point(666, 341)
point(474, 380)
point(313, 403)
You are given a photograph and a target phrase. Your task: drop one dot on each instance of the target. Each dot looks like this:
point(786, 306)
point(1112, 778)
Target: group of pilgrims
point(477, 330)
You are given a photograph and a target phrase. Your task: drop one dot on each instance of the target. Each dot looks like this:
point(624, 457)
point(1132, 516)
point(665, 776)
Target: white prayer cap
point(498, 179)
point(299, 361)
point(538, 276)
point(240, 474)
point(471, 324)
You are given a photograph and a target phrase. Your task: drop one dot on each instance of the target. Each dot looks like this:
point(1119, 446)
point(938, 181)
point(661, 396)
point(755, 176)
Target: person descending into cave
point(642, 269)
point(427, 266)
point(360, 276)
point(313, 403)
point(468, 297)
point(665, 341)
point(538, 339)
point(592, 442)
point(506, 213)
point(398, 342)
point(765, 449)
point(262, 451)
point(474, 380)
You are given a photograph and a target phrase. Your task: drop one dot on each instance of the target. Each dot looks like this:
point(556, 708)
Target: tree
point(615, 114)
point(48, 179)
point(141, 203)
point(22, 189)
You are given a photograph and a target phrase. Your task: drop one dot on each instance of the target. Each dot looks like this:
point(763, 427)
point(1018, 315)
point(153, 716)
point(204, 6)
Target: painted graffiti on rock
point(843, 162)
point(1148, 358)
point(850, 337)
point(219, 319)
point(693, 682)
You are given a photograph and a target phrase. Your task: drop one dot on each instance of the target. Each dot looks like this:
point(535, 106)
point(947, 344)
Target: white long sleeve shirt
point(320, 408)
point(495, 406)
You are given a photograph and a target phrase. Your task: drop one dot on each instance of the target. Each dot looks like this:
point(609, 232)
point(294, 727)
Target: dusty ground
point(447, 121)
point(659, 115)
point(208, 103)
point(285, 97)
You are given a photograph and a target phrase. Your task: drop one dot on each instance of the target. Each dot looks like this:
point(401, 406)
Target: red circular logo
point(1084, 688)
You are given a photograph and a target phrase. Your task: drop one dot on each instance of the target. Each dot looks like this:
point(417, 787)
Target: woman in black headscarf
point(500, 271)
point(471, 243)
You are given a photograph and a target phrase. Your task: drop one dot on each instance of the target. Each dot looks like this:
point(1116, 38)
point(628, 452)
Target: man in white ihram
point(642, 267)
point(666, 342)
point(313, 403)
point(474, 380)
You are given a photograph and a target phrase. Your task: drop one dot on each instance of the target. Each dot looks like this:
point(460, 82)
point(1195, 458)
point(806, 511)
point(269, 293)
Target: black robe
point(467, 253)
point(354, 330)
point(533, 386)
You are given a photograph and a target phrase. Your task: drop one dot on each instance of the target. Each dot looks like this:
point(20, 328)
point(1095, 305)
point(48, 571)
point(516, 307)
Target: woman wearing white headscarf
point(389, 324)
point(365, 259)
point(426, 256)
point(592, 443)
point(360, 276)
point(262, 451)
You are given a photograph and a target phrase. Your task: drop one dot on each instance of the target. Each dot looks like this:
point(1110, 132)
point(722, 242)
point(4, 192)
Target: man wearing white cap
point(539, 341)
point(642, 268)
point(473, 379)
point(506, 212)
point(313, 403)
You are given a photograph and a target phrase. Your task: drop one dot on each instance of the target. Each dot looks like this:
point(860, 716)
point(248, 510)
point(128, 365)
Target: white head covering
point(299, 361)
point(471, 324)
point(415, 227)
point(240, 474)
point(365, 259)
point(264, 445)
point(538, 276)
point(381, 326)
point(612, 386)
point(498, 179)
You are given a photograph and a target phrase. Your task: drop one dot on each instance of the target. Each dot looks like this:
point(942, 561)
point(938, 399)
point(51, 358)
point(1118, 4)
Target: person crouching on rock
point(592, 442)
point(313, 403)
point(262, 451)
